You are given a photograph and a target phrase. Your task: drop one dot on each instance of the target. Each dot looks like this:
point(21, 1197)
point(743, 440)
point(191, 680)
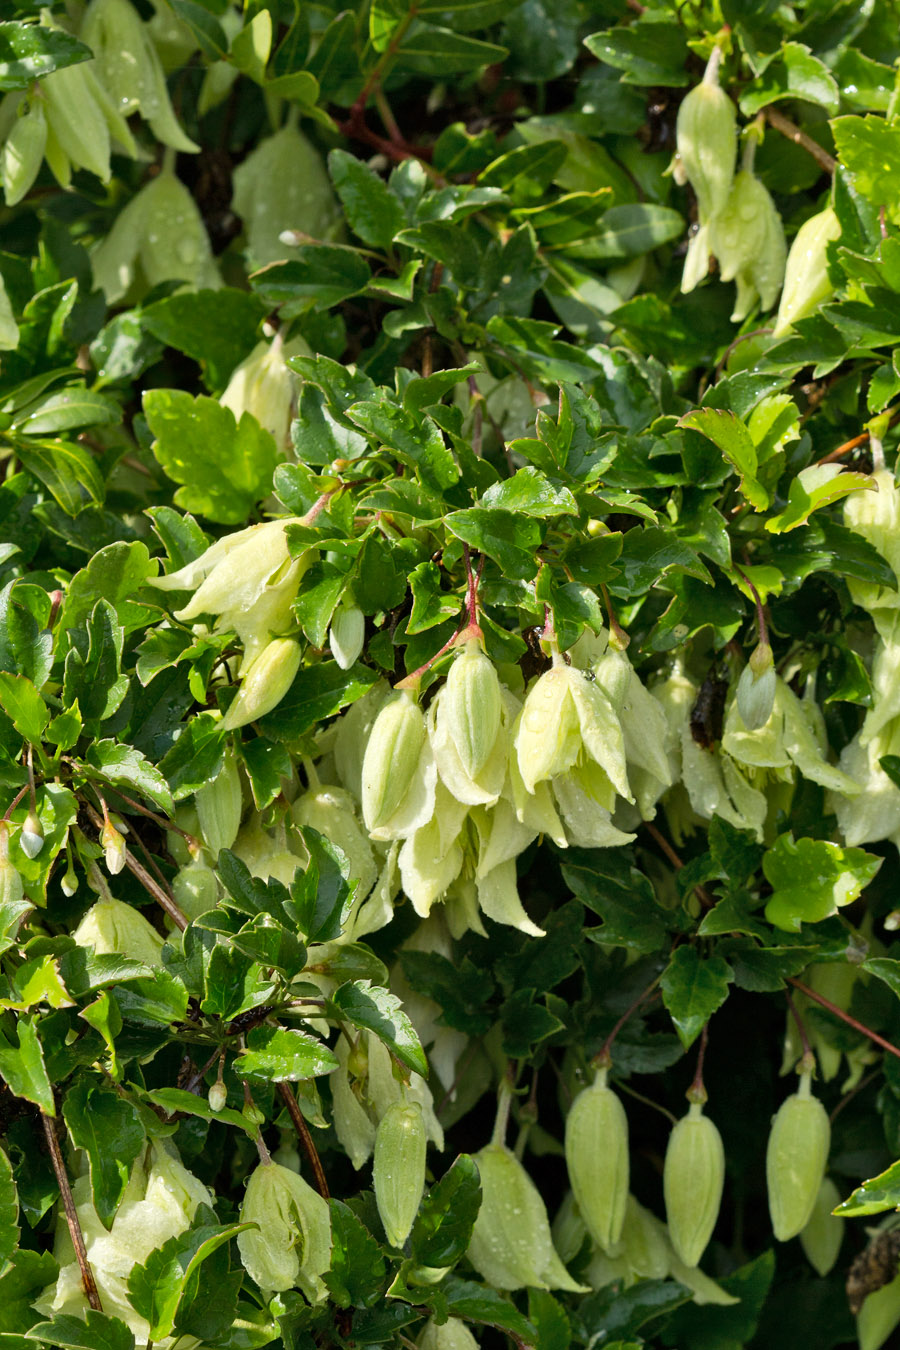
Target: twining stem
point(616, 631)
point(143, 876)
point(317, 507)
point(15, 802)
point(762, 631)
point(697, 1091)
point(855, 442)
point(844, 1016)
point(793, 133)
point(469, 629)
point(88, 1283)
point(501, 1121)
point(801, 1029)
point(603, 1057)
point(306, 1139)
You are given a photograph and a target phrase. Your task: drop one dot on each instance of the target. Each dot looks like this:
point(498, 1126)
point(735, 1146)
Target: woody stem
point(88, 1283)
point(844, 1016)
point(305, 1138)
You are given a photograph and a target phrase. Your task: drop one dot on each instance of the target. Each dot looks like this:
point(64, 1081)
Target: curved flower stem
point(603, 1057)
point(844, 1016)
point(697, 1091)
point(804, 1039)
point(15, 802)
point(793, 133)
point(702, 894)
point(88, 1283)
point(306, 1139)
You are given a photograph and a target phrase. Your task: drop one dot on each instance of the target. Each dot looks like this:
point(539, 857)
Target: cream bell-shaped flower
point(511, 1245)
point(248, 580)
point(445, 717)
point(876, 516)
point(110, 926)
point(566, 718)
point(159, 1203)
point(291, 1247)
point(398, 773)
point(266, 387)
point(806, 281)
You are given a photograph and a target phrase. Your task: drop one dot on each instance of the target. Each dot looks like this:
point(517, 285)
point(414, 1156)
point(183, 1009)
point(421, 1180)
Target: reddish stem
point(306, 1139)
point(603, 1058)
point(844, 1016)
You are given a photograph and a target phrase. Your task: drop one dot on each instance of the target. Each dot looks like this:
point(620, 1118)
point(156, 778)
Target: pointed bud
point(12, 889)
point(391, 758)
point(597, 1160)
point(399, 1169)
point(265, 684)
point(824, 1232)
point(796, 1155)
point(471, 703)
point(31, 840)
point(807, 284)
point(346, 635)
point(756, 688)
point(693, 1178)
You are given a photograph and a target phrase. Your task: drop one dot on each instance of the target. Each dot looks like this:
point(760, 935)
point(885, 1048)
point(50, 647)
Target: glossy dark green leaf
point(29, 51)
point(375, 1009)
point(693, 988)
point(109, 1128)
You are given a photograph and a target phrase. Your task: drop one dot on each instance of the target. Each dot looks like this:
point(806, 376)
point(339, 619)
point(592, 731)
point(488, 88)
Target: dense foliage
point(450, 674)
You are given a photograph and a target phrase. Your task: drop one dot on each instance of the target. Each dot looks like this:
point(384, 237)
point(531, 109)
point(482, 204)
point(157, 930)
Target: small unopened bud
point(265, 683)
point(471, 704)
point(756, 688)
point(69, 880)
point(252, 1114)
point(346, 635)
point(807, 284)
point(399, 1169)
point(113, 844)
point(391, 758)
point(217, 1096)
point(32, 837)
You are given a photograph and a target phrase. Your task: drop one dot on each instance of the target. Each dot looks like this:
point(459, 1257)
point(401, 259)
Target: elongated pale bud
point(219, 806)
point(265, 683)
point(756, 688)
point(398, 1171)
point(292, 1245)
point(692, 1183)
point(31, 840)
point(69, 880)
point(471, 705)
point(597, 1160)
point(706, 138)
point(511, 1246)
point(346, 635)
point(807, 284)
point(22, 153)
point(824, 1232)
point(391, 757)
point(795, 1159)
point(113, 845)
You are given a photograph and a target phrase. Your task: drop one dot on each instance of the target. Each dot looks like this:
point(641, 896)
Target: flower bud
point(471, 704)
point(22, 153)
point(265, 684)
point(264, 386)
point(566, 718)
point(692, 1183)
point(69, 880)
point(217, 1096)
point(346, 635)
point(756, 688)
point(391, 758)
point(330, 810)
point(597, 1159)
point(113, 845)
point(219, 806)
point(824, 1232)
point(399, 1169)
point(645, 1245)
point(706, 138)
point(806, 281)
point(113, 927)
point(76, 120)
point(31, 840)
point(748, 240)
point(292, 1245)
point(511, 1246)
point(795, 1159)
